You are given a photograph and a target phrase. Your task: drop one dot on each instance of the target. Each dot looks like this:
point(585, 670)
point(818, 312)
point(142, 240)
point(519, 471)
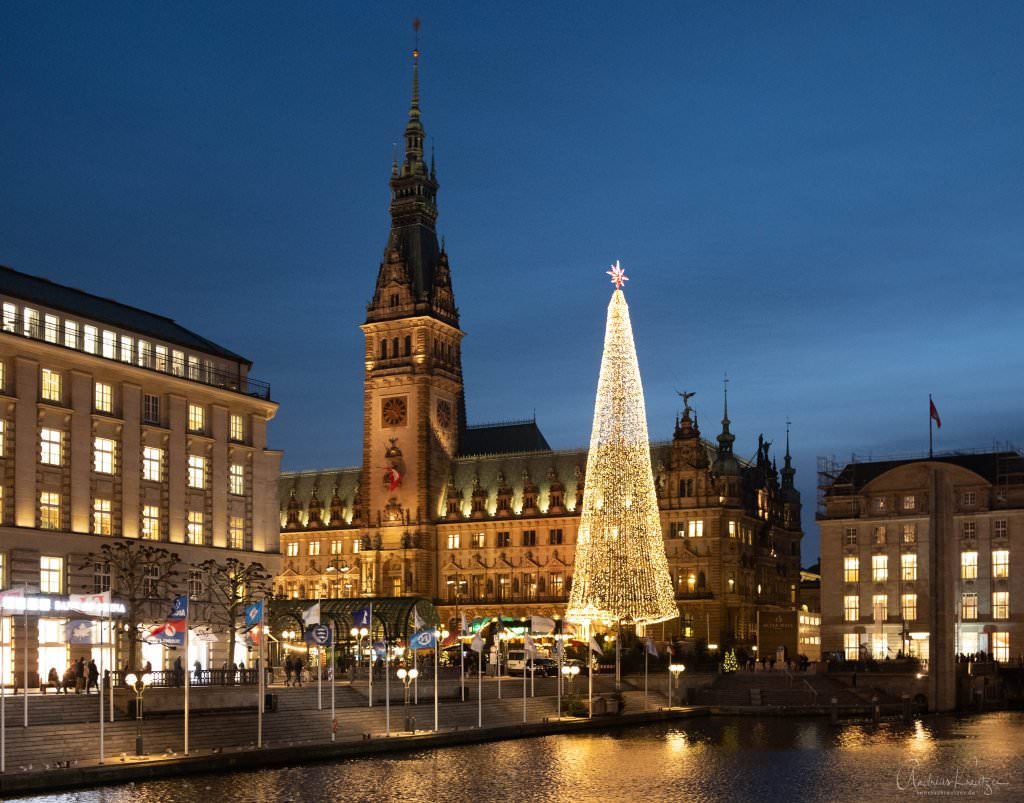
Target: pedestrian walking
point(94, 677)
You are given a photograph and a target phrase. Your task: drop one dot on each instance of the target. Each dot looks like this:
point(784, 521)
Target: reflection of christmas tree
point(730, 664)
point(621, 570)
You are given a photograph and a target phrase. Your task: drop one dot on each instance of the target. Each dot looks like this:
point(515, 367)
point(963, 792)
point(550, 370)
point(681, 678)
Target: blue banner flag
point(179, 610)
point(424, 640)
point(253, 614)
point(80, 631)
point(361, 617)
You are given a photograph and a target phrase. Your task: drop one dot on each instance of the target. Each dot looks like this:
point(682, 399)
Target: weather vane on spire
point(618, 275)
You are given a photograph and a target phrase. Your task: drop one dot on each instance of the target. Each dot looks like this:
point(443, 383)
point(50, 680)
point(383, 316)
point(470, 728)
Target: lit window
point(161, 359)
point(196, 418)
point(355, 546)
point(31, 322)
point(177, 363)
point(909, 533)
point(237, 480)
point(880, 503)
point(908, 604)
point(968, 565)
point(109, 344)
point(454, 540)
point(314, 548)
point(51, 328)
point(103, 455)
point(51, 575)
point(909, 502)
point(196, 471)
point(968, 606)
point(50, 443)
point(880, 607)
point(292, 549)
point(879, 568)
point(101, 522)
point(151, 522)
point(850, 536)
point(851, 608)
point(145, 354)
point(999, 528)
point(237, 428)
point(1000, 563)
point(103, 397)
point(696, 528)
point(100, 577)
point(479, 540)
point(193, 367)
point(337, 547)
point(851, 570)
point(557, 584)
point(49, 510)
point(127, 349)
point(1000, 604)
point(236, 533)
point(91, 338)
point(50, 388)
point(152, 463)
point(732, 529)
point(10, 317)
point(1001, 647)
point(879, 534)
point(195, 583)
point(970, 530)
point(151, 409)
point(71, 335)
point(908, 567)
point(194, 527)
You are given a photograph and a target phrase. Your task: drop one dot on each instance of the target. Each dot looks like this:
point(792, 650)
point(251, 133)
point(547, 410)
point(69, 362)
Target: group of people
point(80, 676)
point(293, 668)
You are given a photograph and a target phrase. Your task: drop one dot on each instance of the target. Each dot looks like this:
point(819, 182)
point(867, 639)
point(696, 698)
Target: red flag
point(934, 413)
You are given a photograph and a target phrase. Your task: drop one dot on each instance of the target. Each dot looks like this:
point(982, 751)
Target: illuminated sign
point(88, 604)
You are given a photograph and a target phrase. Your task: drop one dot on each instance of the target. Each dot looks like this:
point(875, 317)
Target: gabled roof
point(513, 437)
point(104, 310)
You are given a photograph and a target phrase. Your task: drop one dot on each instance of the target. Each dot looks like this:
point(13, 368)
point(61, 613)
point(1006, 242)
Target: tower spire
point(414, 129)
point(788, 472)
point(725, 462)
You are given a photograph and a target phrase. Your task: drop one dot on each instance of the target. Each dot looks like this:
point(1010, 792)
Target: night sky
point(822, 199)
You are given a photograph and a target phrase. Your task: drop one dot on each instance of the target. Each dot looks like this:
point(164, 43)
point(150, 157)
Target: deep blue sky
point(822, 199)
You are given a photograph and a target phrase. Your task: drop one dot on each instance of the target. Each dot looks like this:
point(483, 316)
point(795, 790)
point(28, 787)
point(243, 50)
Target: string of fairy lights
point(621, 570)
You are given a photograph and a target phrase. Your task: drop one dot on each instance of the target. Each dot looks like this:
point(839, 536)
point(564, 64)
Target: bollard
point(907, 717)
point(834, 712)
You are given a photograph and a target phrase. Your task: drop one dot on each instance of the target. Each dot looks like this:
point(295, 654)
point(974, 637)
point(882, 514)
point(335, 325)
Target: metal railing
point(168, 678)
point(204, 374)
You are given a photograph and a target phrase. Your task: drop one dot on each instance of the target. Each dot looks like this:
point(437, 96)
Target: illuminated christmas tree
point(621, 571)
point(730, 663)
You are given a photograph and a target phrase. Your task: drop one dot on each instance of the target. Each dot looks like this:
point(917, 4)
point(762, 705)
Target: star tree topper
point(618, 275)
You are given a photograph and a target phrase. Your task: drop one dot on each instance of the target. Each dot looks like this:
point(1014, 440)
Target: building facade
point(922, 558)
point(483, 519)
point(117, 423)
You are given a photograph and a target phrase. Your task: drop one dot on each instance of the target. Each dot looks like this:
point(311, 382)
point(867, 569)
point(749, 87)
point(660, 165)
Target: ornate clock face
point(444, 413)
point(393, 411)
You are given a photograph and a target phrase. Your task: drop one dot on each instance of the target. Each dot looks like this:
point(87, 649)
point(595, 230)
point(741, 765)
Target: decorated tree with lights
point(621, 572)
point(730, 664)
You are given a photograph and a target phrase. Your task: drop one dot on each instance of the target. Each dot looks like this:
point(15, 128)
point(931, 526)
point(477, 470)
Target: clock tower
point(413, 404)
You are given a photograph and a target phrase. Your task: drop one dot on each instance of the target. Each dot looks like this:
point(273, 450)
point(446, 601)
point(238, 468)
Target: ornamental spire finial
point(618, 275)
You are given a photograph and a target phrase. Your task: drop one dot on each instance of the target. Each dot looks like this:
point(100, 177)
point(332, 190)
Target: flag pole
point(558, 676)
point(24, 676)
point(645, 677)
point(3, 697)
point(930, 403)
point(524, 678)
point(480, 688)
point(387, 691)
point(369, 663)
point(462, 661)
point(334, 664)
point(259, 681)
point(188, 683)
point(103, 622)
point(437, 635)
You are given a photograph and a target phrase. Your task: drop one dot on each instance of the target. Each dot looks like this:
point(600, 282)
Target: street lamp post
point(569, 673)
point(407, 676)
point(138, 685)
point(439, 635)
point(676, 670)
point(457, 583)
point(359, 633)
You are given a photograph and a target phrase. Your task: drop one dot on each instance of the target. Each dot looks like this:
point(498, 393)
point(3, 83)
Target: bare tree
point(143, 576)
point(232, 585)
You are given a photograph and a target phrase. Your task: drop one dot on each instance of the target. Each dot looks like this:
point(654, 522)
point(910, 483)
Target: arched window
point(383, 349)
point(408, 345)
point(394, 347)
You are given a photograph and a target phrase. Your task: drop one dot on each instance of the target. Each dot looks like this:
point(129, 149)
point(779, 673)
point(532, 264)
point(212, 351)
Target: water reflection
point(713, 759)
